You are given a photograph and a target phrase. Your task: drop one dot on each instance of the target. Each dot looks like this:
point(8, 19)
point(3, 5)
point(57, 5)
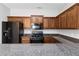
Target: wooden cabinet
point(72, 18)
point(37, 19)
point(68, 19)
point(62, 21)
point(47, 39)
point(15, 19)
point(46, 23)
point(77, 16)
point(49, 22)
point(25, 39)
point(50, 39)
point(56, 23)
point(27, 22)
point(52, 22)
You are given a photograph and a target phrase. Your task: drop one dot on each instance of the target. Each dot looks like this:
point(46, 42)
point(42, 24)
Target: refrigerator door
point(6, 32)
point(12, 32)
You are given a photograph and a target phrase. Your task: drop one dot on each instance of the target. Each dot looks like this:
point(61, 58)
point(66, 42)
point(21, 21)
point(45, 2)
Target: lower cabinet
point(50, 39)
point(47, 39)
point(25, 39)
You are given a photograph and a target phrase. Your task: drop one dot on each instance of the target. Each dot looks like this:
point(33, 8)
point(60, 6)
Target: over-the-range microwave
point(36, 26)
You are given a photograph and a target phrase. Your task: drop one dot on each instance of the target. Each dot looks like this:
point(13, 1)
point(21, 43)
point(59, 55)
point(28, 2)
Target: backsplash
point(68, 32)
point(45, 31)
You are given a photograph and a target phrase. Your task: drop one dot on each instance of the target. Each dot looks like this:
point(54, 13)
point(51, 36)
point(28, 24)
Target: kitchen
point(37, 23)
point(41, 23)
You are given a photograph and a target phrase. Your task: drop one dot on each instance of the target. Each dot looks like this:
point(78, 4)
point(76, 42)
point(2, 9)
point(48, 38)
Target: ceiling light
point(39, 7)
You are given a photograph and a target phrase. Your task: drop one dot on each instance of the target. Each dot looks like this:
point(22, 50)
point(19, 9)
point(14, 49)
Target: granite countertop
point(38, 50)
point(66, 48)
point(43, 34)
point(74, 40)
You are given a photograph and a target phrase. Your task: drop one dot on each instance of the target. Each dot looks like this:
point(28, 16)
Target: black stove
point(36, 37)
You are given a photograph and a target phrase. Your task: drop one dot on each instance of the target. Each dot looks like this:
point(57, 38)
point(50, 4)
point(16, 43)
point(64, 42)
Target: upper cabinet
point(15, 19)
point(69, 19)
point(62, 23)
point(46, 23)
point(26, 22)
point(52, 22)
point(49, 22)
point(37, 19)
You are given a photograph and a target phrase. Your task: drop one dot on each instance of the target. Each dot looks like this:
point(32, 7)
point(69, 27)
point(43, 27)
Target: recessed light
point(39, 7)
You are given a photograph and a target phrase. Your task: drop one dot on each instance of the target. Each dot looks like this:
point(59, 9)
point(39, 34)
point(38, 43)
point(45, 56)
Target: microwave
point(36, 26)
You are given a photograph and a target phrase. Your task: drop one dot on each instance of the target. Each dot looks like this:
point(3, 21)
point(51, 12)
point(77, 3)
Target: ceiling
point(37, 5)
point(55, 7)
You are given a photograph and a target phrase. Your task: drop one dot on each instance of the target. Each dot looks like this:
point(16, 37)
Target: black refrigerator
point(12, 32)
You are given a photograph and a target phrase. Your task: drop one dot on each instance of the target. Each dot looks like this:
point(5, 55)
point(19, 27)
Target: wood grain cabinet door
point(51, 23)
point(63, 21)
point(74, 17)
point(46, 23)
point(27, 22)
point(25, 39)
point(70, 19)
point(50, 39)
point(56, 24)
point(37, 19)
point(15, 19)
point(77, 8)
point(47, 39)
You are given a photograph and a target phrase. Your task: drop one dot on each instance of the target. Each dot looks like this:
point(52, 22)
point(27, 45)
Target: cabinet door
point(37, 19)
point(27, 22)
point(56, 23)
point(47, 39)
point(45, 23)
point(74, 18)
point(53, 40)
point(50, 39)
point(71, 18)
point(77, 13)
point(15, 19)
point(25, 39)
point(63, 21)
point(60, 22)
point(51, 23)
